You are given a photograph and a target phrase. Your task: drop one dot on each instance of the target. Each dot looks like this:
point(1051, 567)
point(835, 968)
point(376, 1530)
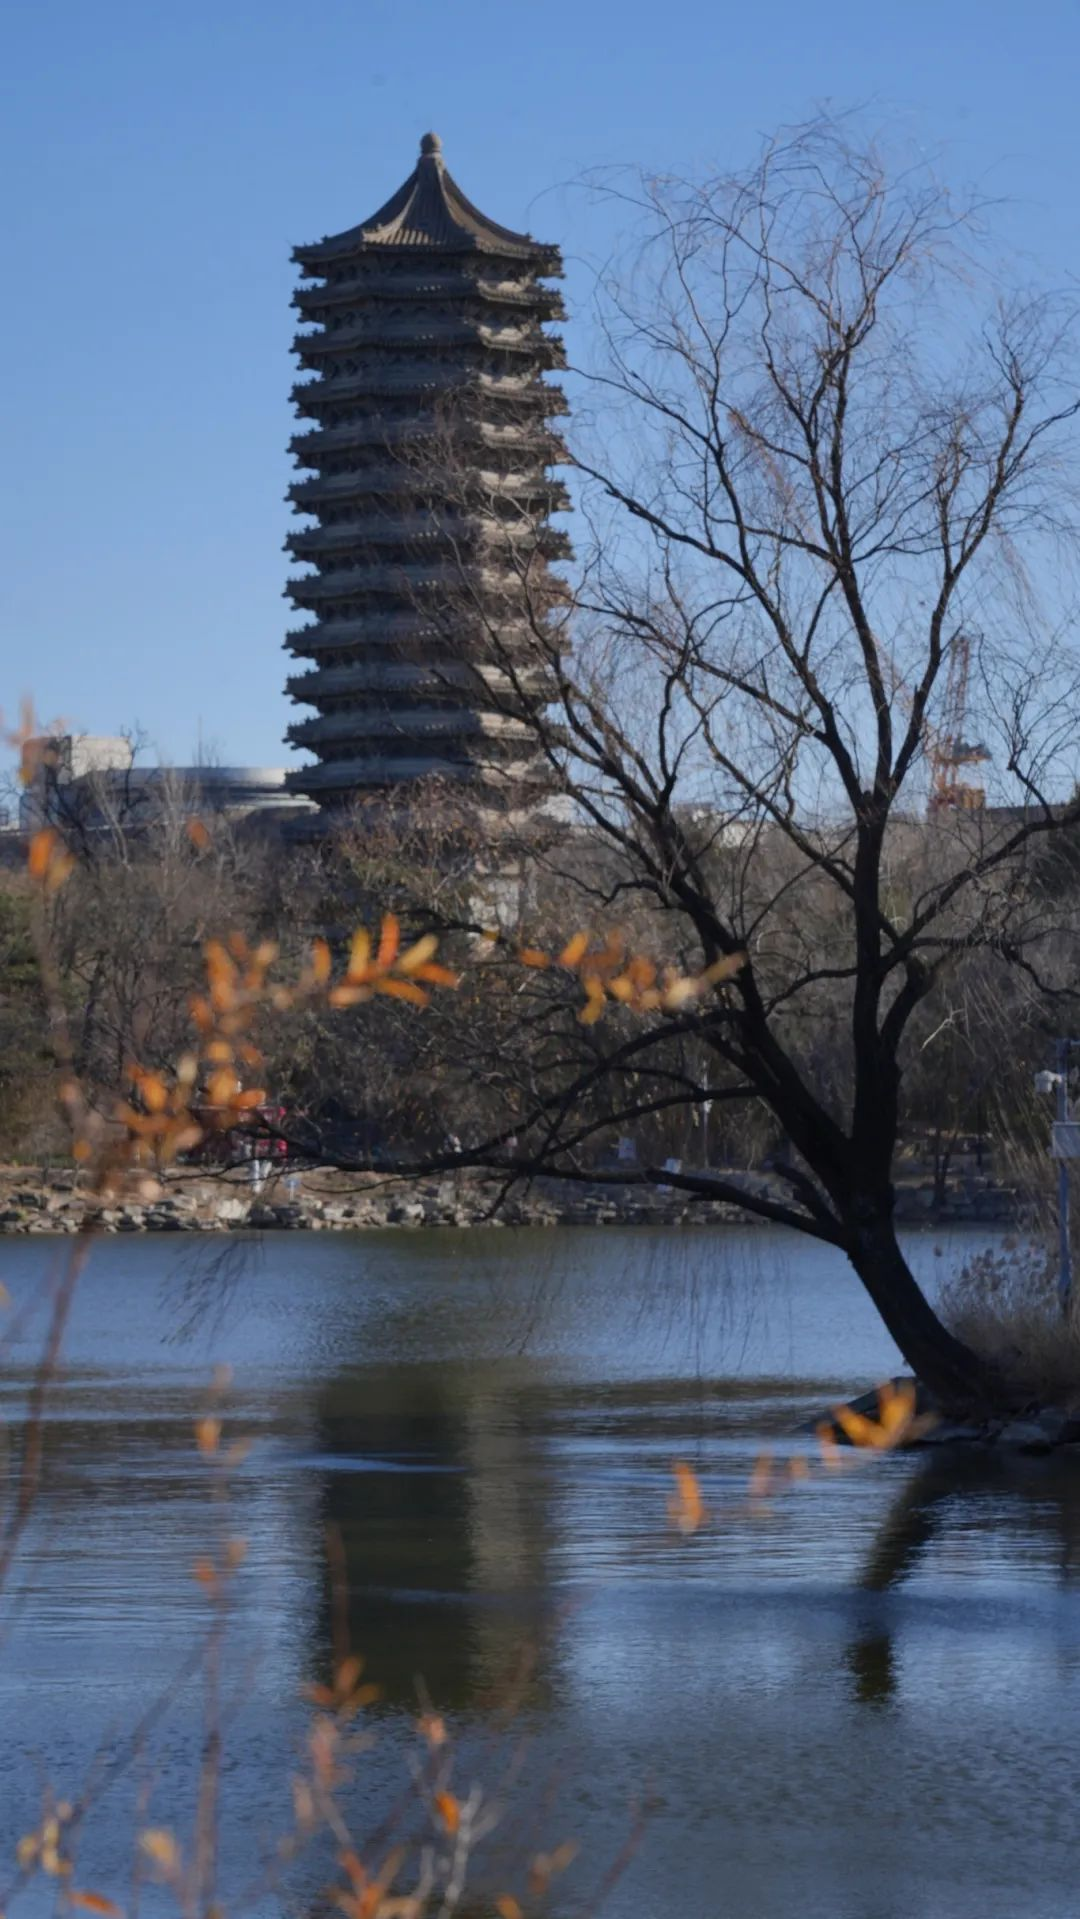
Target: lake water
point(861, 1699)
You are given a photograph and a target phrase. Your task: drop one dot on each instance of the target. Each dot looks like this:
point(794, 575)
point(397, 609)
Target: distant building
point(426, 471)
point(91, 781)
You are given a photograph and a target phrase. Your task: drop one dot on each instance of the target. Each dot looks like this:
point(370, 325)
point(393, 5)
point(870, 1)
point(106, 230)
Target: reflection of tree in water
point(974, 1497)
point(439, 1497)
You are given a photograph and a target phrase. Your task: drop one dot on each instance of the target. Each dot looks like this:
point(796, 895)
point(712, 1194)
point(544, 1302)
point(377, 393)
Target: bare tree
point(826, 456)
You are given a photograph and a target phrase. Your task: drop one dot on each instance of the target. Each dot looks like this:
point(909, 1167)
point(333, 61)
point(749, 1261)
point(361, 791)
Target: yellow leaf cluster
point(44, 1848)
point(547, 1865)
point(896, 1415)
point(382, 967)
point(609, 974)
point(345, 1696)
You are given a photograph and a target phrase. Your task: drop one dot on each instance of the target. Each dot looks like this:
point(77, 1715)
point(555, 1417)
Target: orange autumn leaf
point(389, 940)
point(95, 1902)
point(860, 1430)
point(419, 954)
point(403, 989)
point(48, 859)
point(575, 950)
point(680, 992)
point(359, 953)
point(532, 956)
point(160, 1846)
point(641, 971)
point(508, 1907)
point(449, 1810)
point(321, 962)
point(896, 1407)
point(153, 1090)
point(348, 1673)
point(198, 835)
point(60, 868)
point(181, 1137)
point(346, 995)
point(547, 1864)
point(40, 853)
point(219, 962)
point(221, 1087)
point(686, 1507)
point(207, 1435)
point(724, 969)
point(436, 975)
point(248, 1101)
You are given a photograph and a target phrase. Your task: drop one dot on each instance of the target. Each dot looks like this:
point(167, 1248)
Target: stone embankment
point(325, 1202)
point(316, 1202)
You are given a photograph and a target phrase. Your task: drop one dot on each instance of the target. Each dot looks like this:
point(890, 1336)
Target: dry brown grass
point(1005, 1305)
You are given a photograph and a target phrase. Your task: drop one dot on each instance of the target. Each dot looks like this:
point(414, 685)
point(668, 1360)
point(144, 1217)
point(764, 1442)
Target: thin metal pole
point(1064, 1249)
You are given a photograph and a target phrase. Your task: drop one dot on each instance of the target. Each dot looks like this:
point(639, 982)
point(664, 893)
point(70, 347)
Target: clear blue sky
point(158, 160)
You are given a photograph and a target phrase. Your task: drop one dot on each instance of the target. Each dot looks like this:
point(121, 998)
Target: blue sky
point(158, 161)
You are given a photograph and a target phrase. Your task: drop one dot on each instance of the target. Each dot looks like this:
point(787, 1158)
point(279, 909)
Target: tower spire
point(426, 473)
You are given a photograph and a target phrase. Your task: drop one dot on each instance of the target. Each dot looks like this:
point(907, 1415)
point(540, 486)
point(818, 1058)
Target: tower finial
point(431, 146)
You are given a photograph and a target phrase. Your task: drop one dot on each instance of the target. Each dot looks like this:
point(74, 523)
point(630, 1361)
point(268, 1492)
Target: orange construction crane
point(949, 750)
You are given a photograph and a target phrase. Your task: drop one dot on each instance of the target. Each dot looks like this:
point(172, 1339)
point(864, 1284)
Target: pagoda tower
point(427, 473)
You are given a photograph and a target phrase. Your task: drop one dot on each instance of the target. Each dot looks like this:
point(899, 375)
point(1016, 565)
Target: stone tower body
point(426, 469)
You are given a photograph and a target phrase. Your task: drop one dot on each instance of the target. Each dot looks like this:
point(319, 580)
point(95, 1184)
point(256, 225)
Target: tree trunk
point(956, 1377)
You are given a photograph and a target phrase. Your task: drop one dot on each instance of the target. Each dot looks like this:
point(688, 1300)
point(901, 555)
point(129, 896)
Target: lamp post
point(1062, 1148)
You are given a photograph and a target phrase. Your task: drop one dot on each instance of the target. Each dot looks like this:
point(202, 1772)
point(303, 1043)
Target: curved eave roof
point(341, 775)
point(428, 211)
point(431, 284)
point(426, 378)
point(390, 630)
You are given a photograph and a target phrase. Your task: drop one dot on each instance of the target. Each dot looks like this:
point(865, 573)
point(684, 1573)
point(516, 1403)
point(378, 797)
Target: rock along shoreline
point(317, 1201)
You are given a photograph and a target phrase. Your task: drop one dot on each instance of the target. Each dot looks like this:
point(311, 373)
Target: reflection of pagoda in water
point(442, 1508)
point(427, 473)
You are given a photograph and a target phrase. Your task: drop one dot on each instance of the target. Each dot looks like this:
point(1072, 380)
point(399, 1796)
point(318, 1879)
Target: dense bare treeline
point(130, 925)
